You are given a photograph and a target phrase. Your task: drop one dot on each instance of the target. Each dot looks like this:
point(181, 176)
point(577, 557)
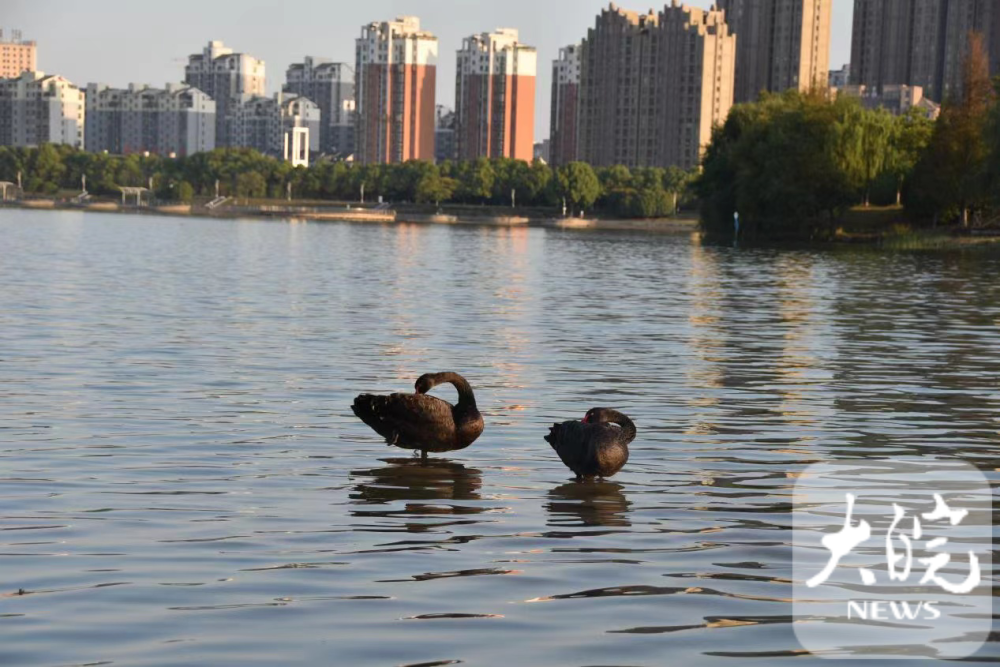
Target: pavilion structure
point(134, 192)
point(6, 186)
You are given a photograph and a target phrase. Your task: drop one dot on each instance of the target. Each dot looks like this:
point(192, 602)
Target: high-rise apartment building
point(652, 86)
point(563, 128)
point(620, 77)
point(173, 121)
point(261, 122)
point(920, 42)
point(331, 86)
point(395, 81)
point(495, 97)
point(781, 44)
point(225, 76)
point(36, 109)
point(444, 134)
point(16, 55)
point(699, 64)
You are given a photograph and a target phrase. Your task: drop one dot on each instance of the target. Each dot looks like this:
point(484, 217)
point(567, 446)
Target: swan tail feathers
point(372, 411)
point(366, 407)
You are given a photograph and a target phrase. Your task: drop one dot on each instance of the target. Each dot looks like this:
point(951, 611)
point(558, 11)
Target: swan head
point(602, 416)
point(425, 384)
point(595, 416)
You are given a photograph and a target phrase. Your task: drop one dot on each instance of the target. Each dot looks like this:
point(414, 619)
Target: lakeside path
point(368, 215)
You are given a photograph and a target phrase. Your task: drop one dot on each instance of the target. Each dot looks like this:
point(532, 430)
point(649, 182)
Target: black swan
point(421, 422)
point(596, 446)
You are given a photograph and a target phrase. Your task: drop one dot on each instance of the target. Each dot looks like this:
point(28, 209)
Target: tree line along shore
point(791, 166)
point(244, 174)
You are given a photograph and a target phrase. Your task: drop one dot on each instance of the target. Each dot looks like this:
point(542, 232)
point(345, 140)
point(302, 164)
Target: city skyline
point(73, 39)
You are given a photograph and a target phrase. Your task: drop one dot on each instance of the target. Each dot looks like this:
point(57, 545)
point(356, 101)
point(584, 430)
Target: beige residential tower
point(781, 44)
point(653, 85)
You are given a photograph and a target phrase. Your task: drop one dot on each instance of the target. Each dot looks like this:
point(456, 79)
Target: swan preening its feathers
point(421, 422)
point(594, 447)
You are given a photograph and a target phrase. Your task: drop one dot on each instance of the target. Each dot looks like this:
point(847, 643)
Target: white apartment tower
point(36, 109)
point(331, 86)
point(173, 121)
point(225, 76)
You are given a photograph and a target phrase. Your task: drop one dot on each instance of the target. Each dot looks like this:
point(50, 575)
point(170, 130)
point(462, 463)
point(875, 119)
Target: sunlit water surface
point(182, 481)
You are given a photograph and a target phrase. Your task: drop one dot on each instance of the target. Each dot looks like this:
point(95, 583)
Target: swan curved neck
point(466, 398)
point(628, 426)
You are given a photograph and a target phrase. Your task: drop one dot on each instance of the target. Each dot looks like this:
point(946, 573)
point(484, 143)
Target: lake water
point(182, 481)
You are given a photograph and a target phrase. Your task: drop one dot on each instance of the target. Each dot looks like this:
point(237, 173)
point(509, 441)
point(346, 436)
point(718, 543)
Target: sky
point(124, 41)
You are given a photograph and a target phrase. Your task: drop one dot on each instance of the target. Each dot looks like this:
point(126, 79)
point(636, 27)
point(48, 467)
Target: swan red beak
point(586, 419)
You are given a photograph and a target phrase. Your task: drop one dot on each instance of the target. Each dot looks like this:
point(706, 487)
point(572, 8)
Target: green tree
point(251, 185)
point(435, 188)
point(537, 184)
point(184, 192)
point(131, 172)
point(615, 179)
point(951, 178)
point(864, 141)
point(677, 183)
point(578, 184)
point(910, 138)
point(512, 176)
point(476, 180)
point(649, 202)
point(45, 170)
point(993, 137)
point(777, 162)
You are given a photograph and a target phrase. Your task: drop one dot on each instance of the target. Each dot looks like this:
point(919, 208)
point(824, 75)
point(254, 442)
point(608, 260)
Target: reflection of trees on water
point(589, 504)
point(422, 487)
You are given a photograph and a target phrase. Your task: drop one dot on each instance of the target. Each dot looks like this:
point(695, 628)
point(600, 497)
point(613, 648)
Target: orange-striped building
point(495, 97)
point(565, 106)
point(395, 81)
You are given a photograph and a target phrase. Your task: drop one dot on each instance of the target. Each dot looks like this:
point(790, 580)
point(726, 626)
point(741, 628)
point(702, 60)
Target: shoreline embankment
point(293, 213)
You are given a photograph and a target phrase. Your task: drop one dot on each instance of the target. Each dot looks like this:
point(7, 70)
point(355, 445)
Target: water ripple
point(184, 483)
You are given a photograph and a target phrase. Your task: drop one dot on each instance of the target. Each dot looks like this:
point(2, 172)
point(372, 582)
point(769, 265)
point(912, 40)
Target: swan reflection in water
point(426, 489)
point(589, 504)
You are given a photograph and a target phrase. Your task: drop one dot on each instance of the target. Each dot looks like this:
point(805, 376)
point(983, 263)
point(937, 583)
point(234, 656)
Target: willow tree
point(910, 137)
point(864, 139)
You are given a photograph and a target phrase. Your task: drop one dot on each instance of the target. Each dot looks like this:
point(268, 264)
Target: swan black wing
point(589, 449)
point(572, 442)
point(407, 419)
